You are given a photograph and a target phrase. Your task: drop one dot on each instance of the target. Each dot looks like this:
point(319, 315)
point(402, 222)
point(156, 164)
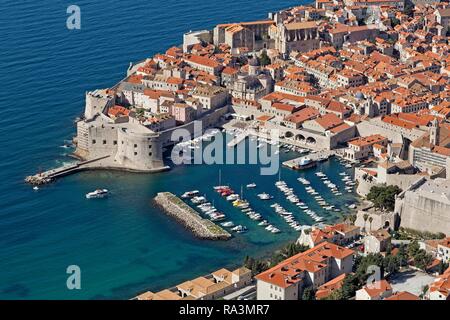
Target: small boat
point(265, 196)
point(263, 223)
point(35, 188)
point(251, 185)
point(190, 194)
point(232, 197)
point(227, 224)
point(239, 229)
point(99, 193)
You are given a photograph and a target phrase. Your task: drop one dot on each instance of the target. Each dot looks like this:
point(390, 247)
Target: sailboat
point(220, 186)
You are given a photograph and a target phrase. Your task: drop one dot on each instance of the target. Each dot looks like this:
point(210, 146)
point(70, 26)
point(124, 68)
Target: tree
point(349, 286)
point(391, 264)
point(413, 248)
point(367, 262)
point(309, 294)
point(264, 59)
point(442, 267)
point(422, 259)
point(402, 256)
point(383, 197)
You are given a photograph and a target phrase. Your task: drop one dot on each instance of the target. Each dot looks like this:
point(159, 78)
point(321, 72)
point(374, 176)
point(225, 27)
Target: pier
point(191, 219)
point(52, 174)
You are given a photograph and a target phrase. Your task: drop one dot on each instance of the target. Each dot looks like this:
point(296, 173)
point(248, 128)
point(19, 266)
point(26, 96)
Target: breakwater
point(201, 228)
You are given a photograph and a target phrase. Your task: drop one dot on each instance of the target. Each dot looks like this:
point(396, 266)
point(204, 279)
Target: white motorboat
point(265, 196)
point(99, 193)
point(227, 224)
point(190, 194)
point(239, 229)
point(251, 185)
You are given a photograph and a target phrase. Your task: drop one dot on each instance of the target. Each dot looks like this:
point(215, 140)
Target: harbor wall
point(189, 218)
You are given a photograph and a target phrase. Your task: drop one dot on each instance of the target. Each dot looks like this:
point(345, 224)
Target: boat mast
point(242, 191)
point(220, 177)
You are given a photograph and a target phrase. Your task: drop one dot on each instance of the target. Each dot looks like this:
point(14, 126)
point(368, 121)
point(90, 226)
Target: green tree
point(349, 287)
point(402, 256)
point(442, 267)
point(383, 197)
point(264, 59)
point(391, 264)
point(309, 294)
point(413, 248)
point(372, 259)
point(422, 259)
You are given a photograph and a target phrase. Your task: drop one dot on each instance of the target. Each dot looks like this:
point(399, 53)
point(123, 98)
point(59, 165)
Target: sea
point(122, 245)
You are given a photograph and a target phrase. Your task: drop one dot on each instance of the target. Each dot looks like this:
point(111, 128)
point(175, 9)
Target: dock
point(189, 218)
point(313, 156)
point(48, 176)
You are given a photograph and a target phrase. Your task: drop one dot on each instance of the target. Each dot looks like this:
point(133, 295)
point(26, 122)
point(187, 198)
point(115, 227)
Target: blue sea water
point(123, 244)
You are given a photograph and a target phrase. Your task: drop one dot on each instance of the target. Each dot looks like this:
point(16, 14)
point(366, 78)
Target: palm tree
point(370, 223)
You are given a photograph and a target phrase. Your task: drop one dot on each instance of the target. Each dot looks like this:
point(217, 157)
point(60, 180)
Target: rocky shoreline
point(191, 220)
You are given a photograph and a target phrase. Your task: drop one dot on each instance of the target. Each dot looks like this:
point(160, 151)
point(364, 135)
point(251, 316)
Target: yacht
point(233, 197)
point(99, 193)
point(190, 194)
point(265, 196)
point(251, 185)
point(227, 224)
point(239, 229)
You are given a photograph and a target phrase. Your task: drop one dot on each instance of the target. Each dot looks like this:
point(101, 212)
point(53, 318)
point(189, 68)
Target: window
point(135, 153)
point(115, 142)
point(135, 145)
point(104, 141)
point(150, 154)
point(149, 146)
point(93, 141)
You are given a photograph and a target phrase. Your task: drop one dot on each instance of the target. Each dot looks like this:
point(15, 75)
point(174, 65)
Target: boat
point(227, 224)
point(217, 217)
point(304, 163)
point(35, 188)
point(189, 194)
point(263, 223)
point(233, 197)
point(251, 185)
point(99, 193)
point(239, 229)
point(265, 196)
point(198, 200)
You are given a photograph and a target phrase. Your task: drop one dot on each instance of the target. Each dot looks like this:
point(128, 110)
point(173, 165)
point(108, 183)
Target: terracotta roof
point(377, 288)
point(327, 288)
point(289, 271)
point(403, 295)
point(329, 120)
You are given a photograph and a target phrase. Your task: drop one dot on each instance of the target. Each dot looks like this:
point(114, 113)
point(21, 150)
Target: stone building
point(296, 36)
point(425, 206)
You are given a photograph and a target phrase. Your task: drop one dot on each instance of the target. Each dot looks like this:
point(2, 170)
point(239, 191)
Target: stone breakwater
point(201, 228)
